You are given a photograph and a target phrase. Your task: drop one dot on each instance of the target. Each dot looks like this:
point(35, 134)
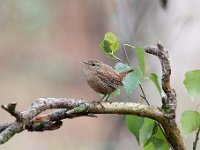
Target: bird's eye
point(93, 64)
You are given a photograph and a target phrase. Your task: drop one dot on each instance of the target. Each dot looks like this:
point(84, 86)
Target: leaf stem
point(115, 57)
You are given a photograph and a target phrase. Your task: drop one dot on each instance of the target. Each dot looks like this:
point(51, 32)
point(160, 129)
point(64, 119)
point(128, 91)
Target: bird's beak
point(85, 62)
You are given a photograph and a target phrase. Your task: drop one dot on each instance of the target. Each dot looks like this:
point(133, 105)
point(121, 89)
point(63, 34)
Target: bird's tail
point(124, 73)
point(128, 71)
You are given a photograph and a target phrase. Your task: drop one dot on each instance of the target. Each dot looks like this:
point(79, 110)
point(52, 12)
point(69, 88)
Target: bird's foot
point(99, 102)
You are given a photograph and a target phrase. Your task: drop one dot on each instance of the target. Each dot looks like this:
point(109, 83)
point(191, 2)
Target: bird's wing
point(111, 80)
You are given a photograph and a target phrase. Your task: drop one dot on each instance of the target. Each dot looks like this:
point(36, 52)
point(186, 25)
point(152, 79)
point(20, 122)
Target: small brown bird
point(103, 78)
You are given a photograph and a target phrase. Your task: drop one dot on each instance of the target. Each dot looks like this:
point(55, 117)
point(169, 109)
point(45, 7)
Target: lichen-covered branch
point(169, 101)
point(32, 121)
point(52, 121)
point(71, 108)
point(36, 108)
point(4, 126)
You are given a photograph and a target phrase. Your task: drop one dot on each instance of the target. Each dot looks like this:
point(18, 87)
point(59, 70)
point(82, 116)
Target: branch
point(75, 108)
point(71, 108)
point(3, 126)
point(51, 121)
point(25, 118)
point(169, 101)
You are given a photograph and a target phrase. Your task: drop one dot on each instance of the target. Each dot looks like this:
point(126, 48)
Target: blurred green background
point(43, 44)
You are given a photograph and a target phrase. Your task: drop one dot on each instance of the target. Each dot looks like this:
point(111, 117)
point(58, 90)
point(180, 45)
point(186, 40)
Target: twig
point(10, 108)
point(123, 48)
point(196, 139)
point(143, 93)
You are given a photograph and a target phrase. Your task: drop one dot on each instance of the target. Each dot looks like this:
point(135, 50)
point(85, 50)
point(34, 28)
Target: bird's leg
point(102, 99)
point(105, 98)
point(99, 101)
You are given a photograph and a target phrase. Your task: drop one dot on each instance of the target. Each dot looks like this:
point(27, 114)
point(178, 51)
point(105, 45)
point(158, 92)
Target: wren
point(103, 78)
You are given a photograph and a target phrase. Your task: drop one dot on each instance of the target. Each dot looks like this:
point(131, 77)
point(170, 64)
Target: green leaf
point(132, 81)
point(114, 46)
point(149, 146)
point(190, 121)
point(147, 129)
point(120, 67)
point(192, 83)
point(111, 37)
point(147, 132)
point(158, 133)
point(134, 124)
point(110, 43)
point(141, 61)
point(154, 78)
point(155, 143)
point(105, 45)
point(158, 140)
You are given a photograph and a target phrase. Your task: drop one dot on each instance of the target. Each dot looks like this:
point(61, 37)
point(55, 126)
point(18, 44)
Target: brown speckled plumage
point(103, 78)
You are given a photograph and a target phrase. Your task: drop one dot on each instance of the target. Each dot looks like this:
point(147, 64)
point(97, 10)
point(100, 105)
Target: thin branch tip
point(9, 107)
